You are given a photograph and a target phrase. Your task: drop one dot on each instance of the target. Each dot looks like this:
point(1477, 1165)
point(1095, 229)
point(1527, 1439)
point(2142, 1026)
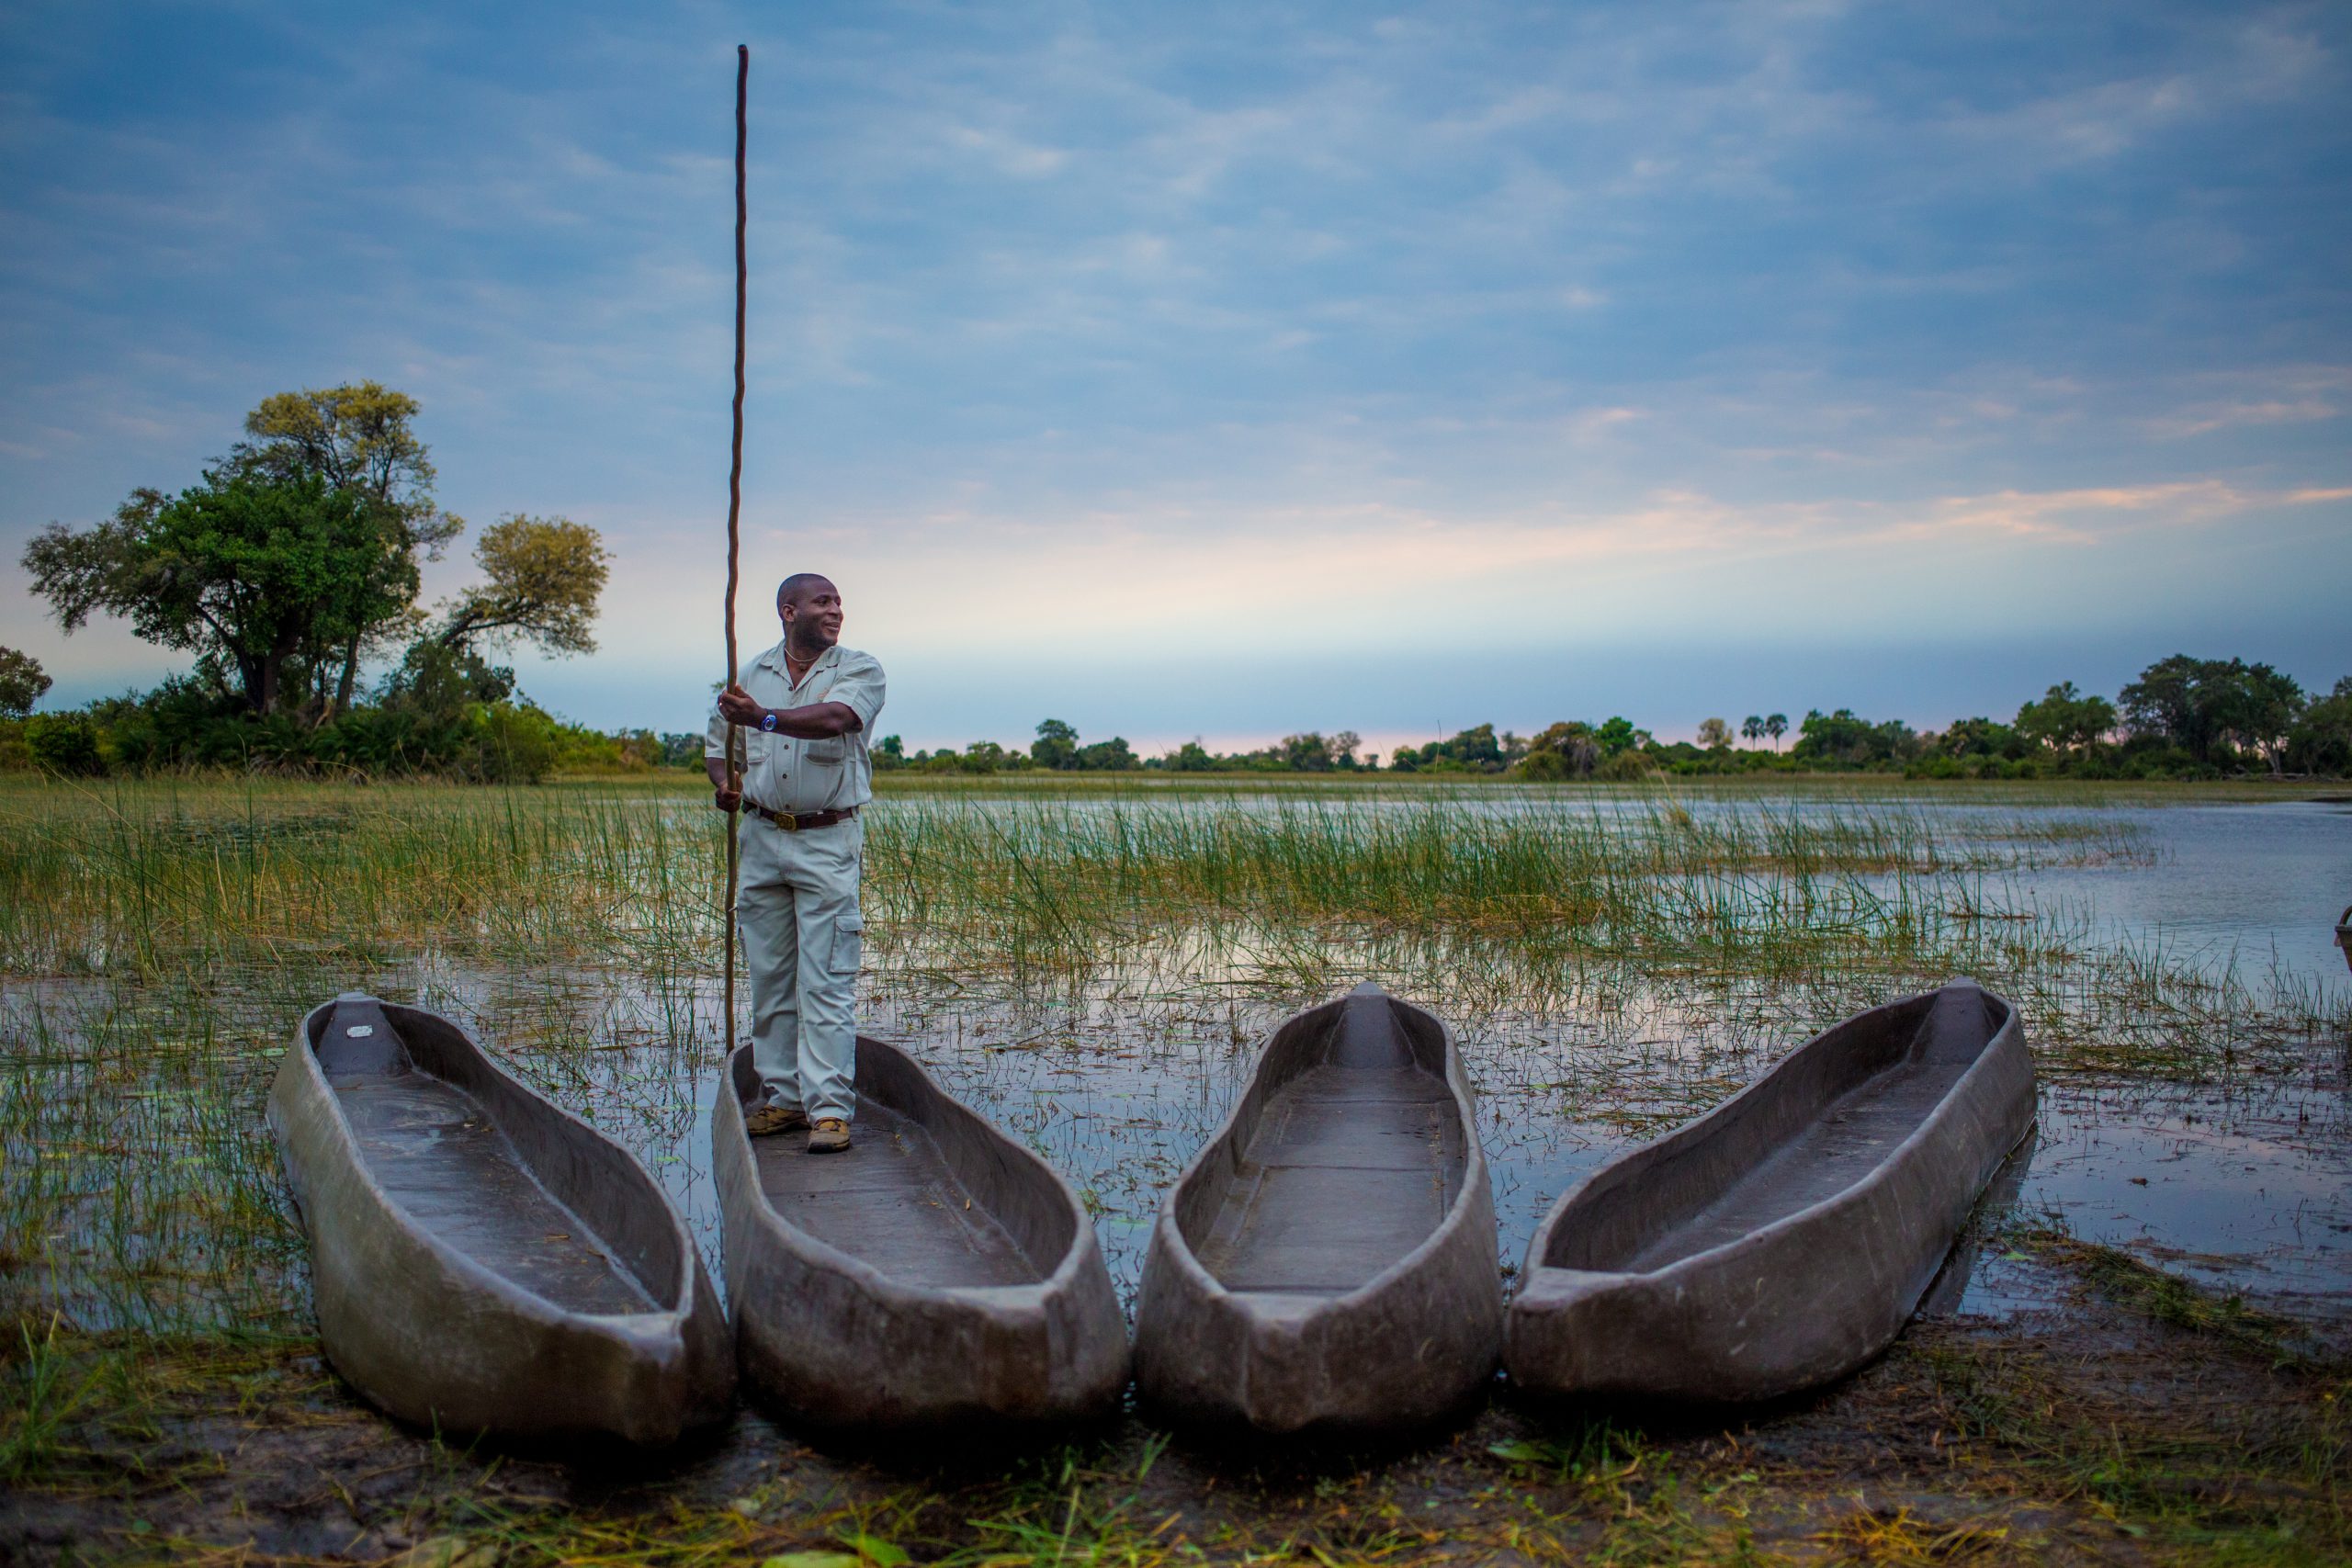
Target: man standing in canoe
point(807, 707)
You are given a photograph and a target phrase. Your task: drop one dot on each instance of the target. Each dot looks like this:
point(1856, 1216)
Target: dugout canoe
point(938, 1277)
point(482, 1261)
point(1784, 1239)
point(2344, 934)
point(1325, 1265)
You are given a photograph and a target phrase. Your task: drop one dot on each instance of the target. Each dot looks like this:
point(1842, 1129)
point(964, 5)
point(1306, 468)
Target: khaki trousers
point(803, 938)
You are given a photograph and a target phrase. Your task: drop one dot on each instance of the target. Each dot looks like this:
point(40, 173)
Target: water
point(2241, 1183)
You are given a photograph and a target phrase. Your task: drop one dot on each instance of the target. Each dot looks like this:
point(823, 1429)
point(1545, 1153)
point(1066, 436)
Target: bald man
point(807, 707)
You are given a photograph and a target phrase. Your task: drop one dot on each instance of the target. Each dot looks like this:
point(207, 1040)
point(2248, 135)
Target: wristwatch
point(767, 721)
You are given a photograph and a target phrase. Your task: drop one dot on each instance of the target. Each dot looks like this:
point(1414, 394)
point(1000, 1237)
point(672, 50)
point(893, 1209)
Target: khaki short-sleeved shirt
point(784, 772)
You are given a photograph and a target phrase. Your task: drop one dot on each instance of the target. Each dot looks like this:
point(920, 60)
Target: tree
point(1189, 758)
point(1470, 750)
point(1840, 737)
point(246, 570)
point(1113, 755)
point(2202, 704)
point(358, 439)
point(1618, 736)
point(1776, 726)
point(1566, 750)
point(1714, 732)
point(1057, 745)
point(2259, 706)
point(2065, 718)
point(543, 578)
point(2321, 739)
point(22, 681)
point(1978, 737)
point(1307, 754)
point(1752, 729)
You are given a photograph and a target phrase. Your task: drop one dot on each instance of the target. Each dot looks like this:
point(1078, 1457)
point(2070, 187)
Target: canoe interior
point(928, 1194)
point(1819, 1123)
point(484, 1165)
point(1348, 1152)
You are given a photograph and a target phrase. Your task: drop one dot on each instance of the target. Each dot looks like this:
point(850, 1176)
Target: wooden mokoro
point(484, 1261)
point(1782, 1240)
point(2344, 935)
point(938, 1276)
point(1326, 1264)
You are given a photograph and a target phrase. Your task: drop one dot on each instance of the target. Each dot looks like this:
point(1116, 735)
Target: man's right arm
point(722, 797)
point(714, 764)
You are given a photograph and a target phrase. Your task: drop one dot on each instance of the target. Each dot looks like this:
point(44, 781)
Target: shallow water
point(2243, 1185)
point(2240, 1182)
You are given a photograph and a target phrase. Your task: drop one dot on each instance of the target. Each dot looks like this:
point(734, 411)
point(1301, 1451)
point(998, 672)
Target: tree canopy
point(2065, 719)
point(542, 578)
point(248, 571)
point(22, 681)
point(2202, 704)
point(355, 439)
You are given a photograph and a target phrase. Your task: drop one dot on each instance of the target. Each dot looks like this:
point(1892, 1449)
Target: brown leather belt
point(802, 822)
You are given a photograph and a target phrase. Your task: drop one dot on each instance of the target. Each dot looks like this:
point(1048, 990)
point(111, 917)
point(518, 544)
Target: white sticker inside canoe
point(359, 1032)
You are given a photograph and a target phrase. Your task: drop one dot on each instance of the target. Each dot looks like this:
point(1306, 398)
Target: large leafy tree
point(247, 570)
point(2202, 705)
point(541, 579)
point(356, 440)
point(2321, 742)
point(22, 681)
point(1056, 746)
point(2065, 719)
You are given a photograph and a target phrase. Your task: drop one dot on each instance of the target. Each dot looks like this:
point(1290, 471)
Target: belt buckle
point(788, 821)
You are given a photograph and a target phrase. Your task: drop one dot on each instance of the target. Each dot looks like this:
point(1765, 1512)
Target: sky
point(1228, 370)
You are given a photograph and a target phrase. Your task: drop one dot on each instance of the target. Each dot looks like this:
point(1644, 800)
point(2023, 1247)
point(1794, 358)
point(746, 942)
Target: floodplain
point(2138, 1352)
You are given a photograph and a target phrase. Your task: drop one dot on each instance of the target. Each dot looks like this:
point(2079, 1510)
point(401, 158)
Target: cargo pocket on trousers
point(849, 944)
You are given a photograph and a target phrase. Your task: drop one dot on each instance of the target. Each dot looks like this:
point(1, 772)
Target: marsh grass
point(1618, 960)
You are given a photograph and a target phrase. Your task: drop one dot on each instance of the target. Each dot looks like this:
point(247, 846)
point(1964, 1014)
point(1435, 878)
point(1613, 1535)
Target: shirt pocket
point(827, 754)
point(849, 944)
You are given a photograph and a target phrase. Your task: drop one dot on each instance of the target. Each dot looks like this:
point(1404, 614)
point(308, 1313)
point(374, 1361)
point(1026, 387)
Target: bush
point(64, 743)
point(1545, 767)
point(506, 744)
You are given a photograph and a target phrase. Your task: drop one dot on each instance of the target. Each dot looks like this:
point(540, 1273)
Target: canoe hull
point(838, 1345)
point(1803, 1301)
point(1416, 1346)
point(432, 1336)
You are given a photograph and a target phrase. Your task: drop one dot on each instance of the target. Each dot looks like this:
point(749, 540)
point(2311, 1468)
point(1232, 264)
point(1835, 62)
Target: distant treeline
point(446, 712)
point(2182, 718)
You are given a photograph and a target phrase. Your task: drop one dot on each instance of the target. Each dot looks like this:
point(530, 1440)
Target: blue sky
point(1229, 371)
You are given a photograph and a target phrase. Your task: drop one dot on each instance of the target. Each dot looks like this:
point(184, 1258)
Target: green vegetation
point(2184, 719)
point(294, 559)
point(160, 936)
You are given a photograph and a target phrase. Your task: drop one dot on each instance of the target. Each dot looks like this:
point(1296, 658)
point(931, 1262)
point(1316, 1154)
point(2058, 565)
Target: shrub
point(64, 743)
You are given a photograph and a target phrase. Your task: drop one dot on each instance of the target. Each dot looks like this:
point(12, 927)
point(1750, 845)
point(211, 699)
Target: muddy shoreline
point(2084, 1430)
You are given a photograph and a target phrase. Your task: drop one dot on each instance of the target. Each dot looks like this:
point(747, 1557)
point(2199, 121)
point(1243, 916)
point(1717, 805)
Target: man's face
point(812, 615)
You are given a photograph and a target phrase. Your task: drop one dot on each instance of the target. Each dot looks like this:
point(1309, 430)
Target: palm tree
point(1776, 726)
point(1752, 729)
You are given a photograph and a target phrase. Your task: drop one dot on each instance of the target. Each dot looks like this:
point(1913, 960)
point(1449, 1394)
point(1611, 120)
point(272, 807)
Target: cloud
point(2209, 417)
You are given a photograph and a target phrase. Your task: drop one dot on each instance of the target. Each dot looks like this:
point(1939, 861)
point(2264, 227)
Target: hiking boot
point(830, 1136)
point(768, 1120)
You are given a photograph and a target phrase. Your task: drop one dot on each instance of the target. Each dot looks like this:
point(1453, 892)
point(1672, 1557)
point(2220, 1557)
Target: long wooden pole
point(734, 539)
